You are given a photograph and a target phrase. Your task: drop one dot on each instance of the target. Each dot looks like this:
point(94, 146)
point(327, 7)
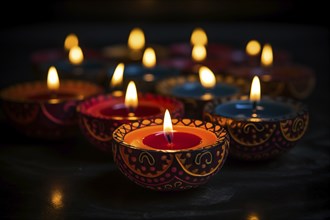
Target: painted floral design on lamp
point(259, 129)
point(46, 110)
point(170, 155)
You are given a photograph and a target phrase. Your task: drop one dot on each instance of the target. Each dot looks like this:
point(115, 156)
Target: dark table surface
point(72, 180)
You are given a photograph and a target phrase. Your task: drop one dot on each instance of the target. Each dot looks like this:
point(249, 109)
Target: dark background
point(293, 187)
point(164, 11)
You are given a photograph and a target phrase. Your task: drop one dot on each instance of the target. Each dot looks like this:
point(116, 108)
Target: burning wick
point(168, 137)
point(255, 94)
point(254, 109)
point(53, 82)
point(131, 99)
point(168, 128)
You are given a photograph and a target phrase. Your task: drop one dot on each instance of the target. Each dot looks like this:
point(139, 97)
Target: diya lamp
point(170, 155)
point(55, 54)
point(146, 74)
point(77, 66)
point(292, 80)
point(41, 60)
point(46, 110)
point(189, 57)
point(100, 115)
point(133, 51)
point(195, 90)
point(259, 128)
point(116, 83)
point(252, 54)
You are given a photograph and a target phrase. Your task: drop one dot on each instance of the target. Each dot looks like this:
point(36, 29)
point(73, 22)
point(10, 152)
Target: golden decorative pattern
point(26, 115)
point(250, 133)
point(302, 89)
point(293, 130)
point(94, 134)
point(148, 157)
point(160, 168)
point(54, 119)
point(200, 172)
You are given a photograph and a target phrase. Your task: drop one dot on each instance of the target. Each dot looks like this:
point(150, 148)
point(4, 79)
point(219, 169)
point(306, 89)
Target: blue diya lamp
point(77, 67)
point(147, 74)
point(259, 130)
point(195, 91)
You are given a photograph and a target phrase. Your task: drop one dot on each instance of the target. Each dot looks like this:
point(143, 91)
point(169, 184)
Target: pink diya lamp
point(292, 80)
point(170, 155)
point(252, 54)
point(133, 51)
point(46, 110)
point(101, 115)
point(189, 57)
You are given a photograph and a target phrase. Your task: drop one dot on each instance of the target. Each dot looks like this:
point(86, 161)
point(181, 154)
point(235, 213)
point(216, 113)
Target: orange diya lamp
point(292, 80)
point(101, 115)
point(46, 110)
point(170, 155)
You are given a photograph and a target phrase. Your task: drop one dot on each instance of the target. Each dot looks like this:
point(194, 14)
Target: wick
point(131, 111)
point(78, 70)
point(53, 94)
point(254, 109)
point(168, 137)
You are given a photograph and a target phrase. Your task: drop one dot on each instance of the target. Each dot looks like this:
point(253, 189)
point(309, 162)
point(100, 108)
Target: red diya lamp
point(189, 57)
point(133, 51)
point(170, 155)
point(42, 59)
point(196, 90)
point(292, 80)
point(259, 129)
point(101, 115)
point(46, 110)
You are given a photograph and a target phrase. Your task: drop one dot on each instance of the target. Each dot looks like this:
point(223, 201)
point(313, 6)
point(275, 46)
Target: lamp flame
point(57, 199)
point(136, 39)
point(149, 58)
point(76, 55)
point(253, 48)
point(255, 92)
point(267, 55)
point(53, 83)
point(198, 37)
point(117, 77)
point(71, 41)
point(131, 99)
point(207, 77)
point(198, 52)
point(168, 127)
